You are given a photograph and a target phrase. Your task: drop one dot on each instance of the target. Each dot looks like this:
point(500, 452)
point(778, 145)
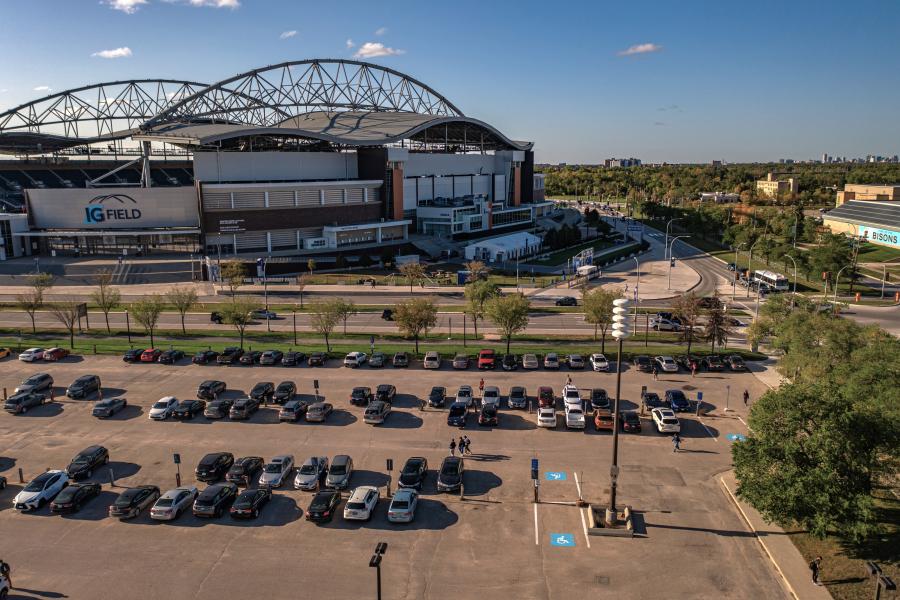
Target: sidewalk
point(779, 548)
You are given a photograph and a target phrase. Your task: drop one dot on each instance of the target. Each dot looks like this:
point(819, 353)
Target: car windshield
point(449, 468)
point(320, 502)
point(516, 393)
point(576, 412)
point(356, 505)
point(338, 469)
point(400, 504)
point(308, 470)
point(38, 483)
point(284, 387)
point(164, 502)
point(274, 468)
point(412, 467)
point(127, 497)
point(489, 411)
point(161, 405)
point(457, 411)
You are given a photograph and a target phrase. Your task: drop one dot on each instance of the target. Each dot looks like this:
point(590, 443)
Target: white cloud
point(216, 3)
point(381, 31)
point(3, 91)
point(375, 49)
point(43, 88)
point(350, 43)
point(129, 7)
point(640, 49)
point(123, 52)
point(287, 34)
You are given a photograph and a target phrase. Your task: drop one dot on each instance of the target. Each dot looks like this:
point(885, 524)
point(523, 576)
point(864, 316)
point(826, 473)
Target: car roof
point(404, 494)
point(491, 388)
point(281, 458)
point(362, 491)
point(449, 460)
point(340, 459)
point(376, 404)
point(91, 449)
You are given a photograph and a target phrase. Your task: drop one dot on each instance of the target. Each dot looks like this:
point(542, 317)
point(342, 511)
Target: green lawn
point(874, 253)
point(561, 256)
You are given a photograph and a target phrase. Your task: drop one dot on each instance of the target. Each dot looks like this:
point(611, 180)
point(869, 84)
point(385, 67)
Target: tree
point(598, 310)
point(32, 300)
point(509, 314)
point(717, 327)
point(687, 309)
point(233, 273)
point(67, 314)
point(415, 317)
point(345, 309)
point(830, 255)
point(146, 312)
point(105, 296)
point(477, 270)
point(477, 293)
point(413, 272)
point(311, 265)
point(239, 314)
point(183, 299)
point(324, 317)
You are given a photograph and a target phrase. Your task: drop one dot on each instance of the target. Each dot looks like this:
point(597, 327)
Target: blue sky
point(704, 80)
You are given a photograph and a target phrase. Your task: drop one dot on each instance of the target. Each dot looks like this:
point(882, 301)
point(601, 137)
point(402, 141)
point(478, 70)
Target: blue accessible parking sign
point(555, 475)
point(562, 539)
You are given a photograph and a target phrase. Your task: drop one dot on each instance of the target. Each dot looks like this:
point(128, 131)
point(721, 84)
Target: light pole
point(836, 281)
point(672, 257)
point(666, 247)
point(128, 325)
point(294, 311)
point(883, 278)
point(637, 286)
point(882, 581)
point(620, 332)
point(750, 265)
point(734, 279)
point(375, 563)
point(794, 295)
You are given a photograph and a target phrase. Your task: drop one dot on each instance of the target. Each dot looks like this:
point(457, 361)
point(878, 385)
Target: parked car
point(458, 414)
point(108, 407)
point(465, 395)
point(377, 412)
point(413, 473)
point(387, 314)
point(5, 352)
point(340, 472)
point(666, 364)
point(546, 416)
point(401, 359)
point(488, 415)
point(630, 421)
point(643, 363)
point(599, 362)
point(386, 392)
point(658, 324)
point(215, 317)
point(574, 416)
point(276, 471)
point(243, 408)
point(665, 420)
point(204, 357)
point(285, 391)
point(361, 395)
point(84, 463)
point(599, 398)
point(311, 473)
point(55, 354)
point(293, 410)
point(450, 477)
point(215, 500)
point(317, 359)
point(244, 470)
point(487, 359)
point(188, 409)
point(133, 501)
point(651, 400)
point(213, 466)
point(210, 389)
point(529, 362)
point(677, 401)
point(603, 420)
point(264, 314)
point(170, 357)
point(690, 362)
point(551, 361)
point(355, 359)
point(19, 404)
point(432, 360)
point(572, 395)
point(509, 362)
point(323, 505)
point(566, 301)
point(264, 391)
point(546, 397)
point(35, 383)
point(518, 397)
point(437, 396)
point(218, 409)
point(575, 361)
point(713, 362)
point(377, 360)
point(461, 362)
point(361, 504)
point(271, 357)
point(403, 506)
point(292, 359)
point(71, 498)
point(251, 357)
point(132, 356)
point(150, 355)
point(491, 396)
point(173, 503)
point(317, 412)
point(249, 503)
point(736, 363)
point(40, 490)
point(32, 354)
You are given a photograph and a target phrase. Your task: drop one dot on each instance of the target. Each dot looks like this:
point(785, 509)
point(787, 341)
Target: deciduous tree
point(413, 272)
point(67, 314)
point(32, 300)
point(106, 297)
point(414, 317)
point(477, 293)
point(324, 317)
point(183, 299)
point(509, 314)
point(232, 274)
point(239, 314)
point(687, 309)
point(146, 312)
point(598, 310)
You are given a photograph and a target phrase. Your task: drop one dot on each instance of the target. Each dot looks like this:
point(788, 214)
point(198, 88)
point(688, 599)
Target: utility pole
point(375, 563)
point(620, 332)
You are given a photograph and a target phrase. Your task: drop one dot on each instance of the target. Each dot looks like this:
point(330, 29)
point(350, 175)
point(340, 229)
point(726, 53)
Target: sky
point(688, 81)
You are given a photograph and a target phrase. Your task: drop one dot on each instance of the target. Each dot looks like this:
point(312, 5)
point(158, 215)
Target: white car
point(32, 354)
point(355, 359)
point(361, 503)
point(666, 364)
point(660, 324)
point(465, 395)
point(432, 361)
point(572, 396)
point(403, 506)
point(40, 490)
point(173, 503)
point(490, 396)
point(163, 408)
point(599, 362)
point(546, 417)
point(530, 362)
point(275, 472)
point(574, 417)
point(665, 420)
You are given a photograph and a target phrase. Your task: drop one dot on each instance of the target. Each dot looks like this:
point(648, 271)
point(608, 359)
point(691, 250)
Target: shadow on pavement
point(51, 409)
point(132, 411)
point(517, 422)
point(478, 483)
point(366, 477)
point(401, 420)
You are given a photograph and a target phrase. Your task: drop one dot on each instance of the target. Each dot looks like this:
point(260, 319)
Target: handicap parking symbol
point(736, 437)
point(562, 539)
point(555, 475)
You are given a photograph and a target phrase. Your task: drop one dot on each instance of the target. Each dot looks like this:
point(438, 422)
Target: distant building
point(717, 163)
point(719, 197)
point(507, 247)
point(871, 192)
point(610, 163)
point(772, 187)
point(875, 222)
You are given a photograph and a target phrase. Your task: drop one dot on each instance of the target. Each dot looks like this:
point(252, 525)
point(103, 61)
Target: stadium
point(300, 159)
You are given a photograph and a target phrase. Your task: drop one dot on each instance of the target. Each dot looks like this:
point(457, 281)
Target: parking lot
point(494, 543)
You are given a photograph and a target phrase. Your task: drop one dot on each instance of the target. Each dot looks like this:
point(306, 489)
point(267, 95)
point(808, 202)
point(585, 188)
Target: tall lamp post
point(128, 325)
point(620, 332)
point(836, 281)
point(671, 254)
point(294, 311)
point(794, 295)
point(735, 278)
point(375, 563)
point(666, 247)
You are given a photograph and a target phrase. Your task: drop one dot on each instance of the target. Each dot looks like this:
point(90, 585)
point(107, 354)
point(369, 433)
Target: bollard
point(177, 479)
point(21, 476)
point(462, 495)
point(699, 402)
point(4, 395)
point(51, 395)
point(112, 479)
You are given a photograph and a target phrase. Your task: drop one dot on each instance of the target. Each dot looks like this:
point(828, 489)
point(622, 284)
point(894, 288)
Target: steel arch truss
point(267, 96)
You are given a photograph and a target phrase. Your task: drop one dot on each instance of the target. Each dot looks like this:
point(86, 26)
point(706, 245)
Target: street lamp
point(294, 311)
point(794, 295)
point(836, 281)
point(375, 563)
point(128, 324)
point(620, 332)
point(735, 278)
point(667, 233)
point(671, 255)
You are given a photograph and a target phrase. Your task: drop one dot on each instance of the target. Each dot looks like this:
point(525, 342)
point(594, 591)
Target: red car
point(55, 354)
point(546, 397)
point(487, 359)
point(150, 355)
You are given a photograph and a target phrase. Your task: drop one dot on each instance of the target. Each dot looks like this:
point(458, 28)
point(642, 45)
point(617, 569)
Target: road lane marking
point(577, 484)
point(584, 527)
point(536, 541)
point(708, 431)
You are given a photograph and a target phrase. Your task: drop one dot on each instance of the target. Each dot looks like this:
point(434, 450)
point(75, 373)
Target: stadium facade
point(301, 158)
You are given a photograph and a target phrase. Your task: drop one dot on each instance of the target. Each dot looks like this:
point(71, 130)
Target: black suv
point(263, 391)
point(599, 398)
point(385, 392)
point(244, 470)
point(651, 400)
point(213, 466)
point(509, 362)
point(204, 357)
point(360, 396)
point(451, 474)
point(243, 408)
point(21, 402)
point(317, 359)
point(188, 409)
point(437, 396)
point(214, 500)
point(84, 463)
point(209, 389)
point(132, 356)
point(83, 387)
point(218, 409)
point(36, 383)
point(414, 472)
point(643, 363)
point(285, 391)
point(230, 355)
point(292, 359)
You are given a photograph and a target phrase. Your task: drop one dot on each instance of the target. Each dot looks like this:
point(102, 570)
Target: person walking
point(452, 447)
point(481, 386)
point(814, 567)
point(568, 380)
point(746, 398)
point(693, 369)
point(468, 444)
point(676, 443)
point(655, 373)
point(5, 572)
point(461, 444)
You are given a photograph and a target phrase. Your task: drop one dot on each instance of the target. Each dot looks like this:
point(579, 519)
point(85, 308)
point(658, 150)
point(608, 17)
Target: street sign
point(555, 475)
point(534, 468)
point(699, 396)
point(562, 539)
point(176, 458)
point(390, 464)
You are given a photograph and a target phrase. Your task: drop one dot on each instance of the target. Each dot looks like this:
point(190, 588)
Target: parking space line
point(587, 539)
point(577, 483)
point(536, 541)
point(708, 431)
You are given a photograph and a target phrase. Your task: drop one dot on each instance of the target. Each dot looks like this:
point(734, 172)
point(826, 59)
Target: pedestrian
point(452, 447)
point(746, 398)
point(5, 572)
point(626, 288)
point(568, 380)
point(468, 444)
point(814, 567)
point(655, 373)
point(481, 385)
point(676, 443)
point(461, 445)
point(693, 369)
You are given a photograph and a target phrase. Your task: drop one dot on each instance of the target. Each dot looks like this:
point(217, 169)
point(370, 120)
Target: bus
point(774, 281)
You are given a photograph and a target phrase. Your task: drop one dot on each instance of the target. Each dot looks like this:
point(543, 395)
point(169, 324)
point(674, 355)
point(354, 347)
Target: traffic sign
point(555, 475)
point(562, 539)
point(699, 396)
point(534, 468)
point(390, 464)
point(176, 458)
